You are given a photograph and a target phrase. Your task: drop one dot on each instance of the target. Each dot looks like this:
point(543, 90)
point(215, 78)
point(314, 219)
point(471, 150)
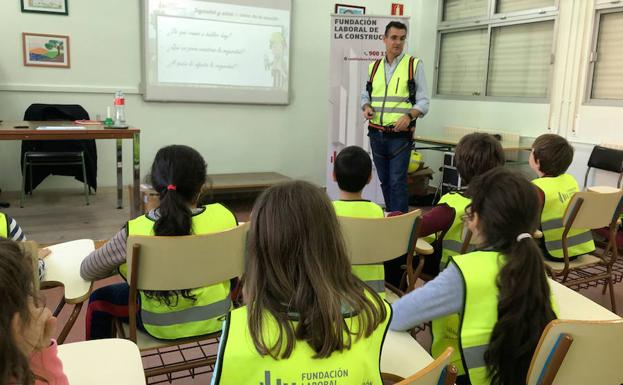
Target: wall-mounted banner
point(356, 41)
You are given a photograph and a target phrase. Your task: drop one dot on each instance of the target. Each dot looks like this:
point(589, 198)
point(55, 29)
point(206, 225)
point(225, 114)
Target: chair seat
point(146, 342)
point(581, 261)
point(47, 154)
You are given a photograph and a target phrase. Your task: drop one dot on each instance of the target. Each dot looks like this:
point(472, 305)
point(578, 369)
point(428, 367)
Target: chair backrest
point(593, 209)
point(438, 372)
point(184, 262)
point(607, 159)
point(578, 353)
point(40, 111)
point(376, 240)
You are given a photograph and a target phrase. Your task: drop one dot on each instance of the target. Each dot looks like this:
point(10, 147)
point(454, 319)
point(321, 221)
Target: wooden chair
point(438, 372)
point(578, 353)
point(62, 268)
point(376, 240)
point(102, 362)
point(176, 263)
point(599, 207)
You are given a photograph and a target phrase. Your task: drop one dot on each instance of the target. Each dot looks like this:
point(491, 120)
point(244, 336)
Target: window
point(607, 57)
point(495, 48)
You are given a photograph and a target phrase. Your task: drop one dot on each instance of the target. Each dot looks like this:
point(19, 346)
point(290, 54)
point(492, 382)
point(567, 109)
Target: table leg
point(136, 166)
point(119, 174)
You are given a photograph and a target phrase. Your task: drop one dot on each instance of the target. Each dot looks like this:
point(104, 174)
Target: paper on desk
point(63, 265)
point(60, 128)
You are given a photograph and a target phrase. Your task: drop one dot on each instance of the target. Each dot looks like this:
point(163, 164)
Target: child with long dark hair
point(178, 175)
point(28, 354)
point(307, 317)
point(500, 290)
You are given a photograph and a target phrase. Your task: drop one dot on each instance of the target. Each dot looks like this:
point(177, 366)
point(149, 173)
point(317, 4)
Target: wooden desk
point(102, 362)
point(245, 182)
point(9, 132)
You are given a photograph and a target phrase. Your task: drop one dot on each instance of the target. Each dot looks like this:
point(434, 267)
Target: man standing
point(394, 97)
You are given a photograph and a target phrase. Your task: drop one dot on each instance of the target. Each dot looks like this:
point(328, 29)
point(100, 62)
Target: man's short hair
point(476, 154)
point(395, 24)
point(352, 168)
point(554, 154)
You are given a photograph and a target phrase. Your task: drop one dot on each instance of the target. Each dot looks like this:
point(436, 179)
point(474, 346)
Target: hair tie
point(523, 236)
point(171, 187)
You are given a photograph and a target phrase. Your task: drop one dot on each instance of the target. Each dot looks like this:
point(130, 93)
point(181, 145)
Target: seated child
point(178, 175)
point(474, 155)
point(305, 313)
point(550, 158)
point(29, 353)
point(500, 290)
point(9, 229)
point(352, 171)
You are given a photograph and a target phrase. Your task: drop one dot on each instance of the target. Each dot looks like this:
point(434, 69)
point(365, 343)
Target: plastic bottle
point(119, 104)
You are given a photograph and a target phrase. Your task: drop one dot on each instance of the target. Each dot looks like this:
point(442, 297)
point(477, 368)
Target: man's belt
point(389, 128)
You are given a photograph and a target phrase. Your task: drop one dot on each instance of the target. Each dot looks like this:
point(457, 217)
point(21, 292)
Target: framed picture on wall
point(57, 7)
point(42, 50)
point(345, 9)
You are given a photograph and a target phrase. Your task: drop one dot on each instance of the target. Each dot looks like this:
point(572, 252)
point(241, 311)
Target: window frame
point(600, 9)
point(490, 21)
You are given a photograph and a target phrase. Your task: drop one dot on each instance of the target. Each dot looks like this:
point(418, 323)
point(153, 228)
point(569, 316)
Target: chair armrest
point(423, 248)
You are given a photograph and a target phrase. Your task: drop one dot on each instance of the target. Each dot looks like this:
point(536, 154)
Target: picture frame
point(55, 7)
point(346, 9)
point(46, 50)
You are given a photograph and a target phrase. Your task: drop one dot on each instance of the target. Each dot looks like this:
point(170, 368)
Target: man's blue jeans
point(391, 156)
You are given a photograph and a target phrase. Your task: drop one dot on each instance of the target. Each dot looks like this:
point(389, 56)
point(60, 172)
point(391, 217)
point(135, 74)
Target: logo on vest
point(323, 377)
point(565, 196)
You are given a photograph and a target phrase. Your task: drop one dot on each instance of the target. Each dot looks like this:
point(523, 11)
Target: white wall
point(105, 56)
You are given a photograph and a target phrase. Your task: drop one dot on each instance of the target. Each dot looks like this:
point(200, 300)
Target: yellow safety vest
point(390, 100)
point(452, 242)
point(240, 363)
point(372, 275)
point(558, 192)
point(479, 271)
point(187, 318)
point(4, 226)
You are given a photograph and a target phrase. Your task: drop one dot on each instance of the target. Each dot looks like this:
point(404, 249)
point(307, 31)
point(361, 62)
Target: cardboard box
point(149, 198)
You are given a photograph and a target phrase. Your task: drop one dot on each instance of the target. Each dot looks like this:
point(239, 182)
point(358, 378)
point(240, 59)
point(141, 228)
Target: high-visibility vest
point(391, 100)
point(240, 363)
point(452, 241)
point(185, 317)
point(4, 226)
point(479, 271)
point(558, 192)
point(372, 275)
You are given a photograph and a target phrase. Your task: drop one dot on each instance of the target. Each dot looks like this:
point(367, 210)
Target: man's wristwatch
point(411, 116)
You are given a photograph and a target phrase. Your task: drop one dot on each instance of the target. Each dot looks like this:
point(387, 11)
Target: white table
point(102, 362)
point(402, 355)
point(574, 306)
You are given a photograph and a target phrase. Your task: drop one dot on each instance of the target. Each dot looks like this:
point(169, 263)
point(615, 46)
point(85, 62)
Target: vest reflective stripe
point(452, 242)
point(4, 226)
point(187, 318)
point(193, 314)
point(558, 192)
point(390, 99)
point(356, 366)
point(372, 275)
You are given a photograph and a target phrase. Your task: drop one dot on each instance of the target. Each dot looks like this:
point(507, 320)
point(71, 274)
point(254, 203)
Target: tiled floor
point(58, 216)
